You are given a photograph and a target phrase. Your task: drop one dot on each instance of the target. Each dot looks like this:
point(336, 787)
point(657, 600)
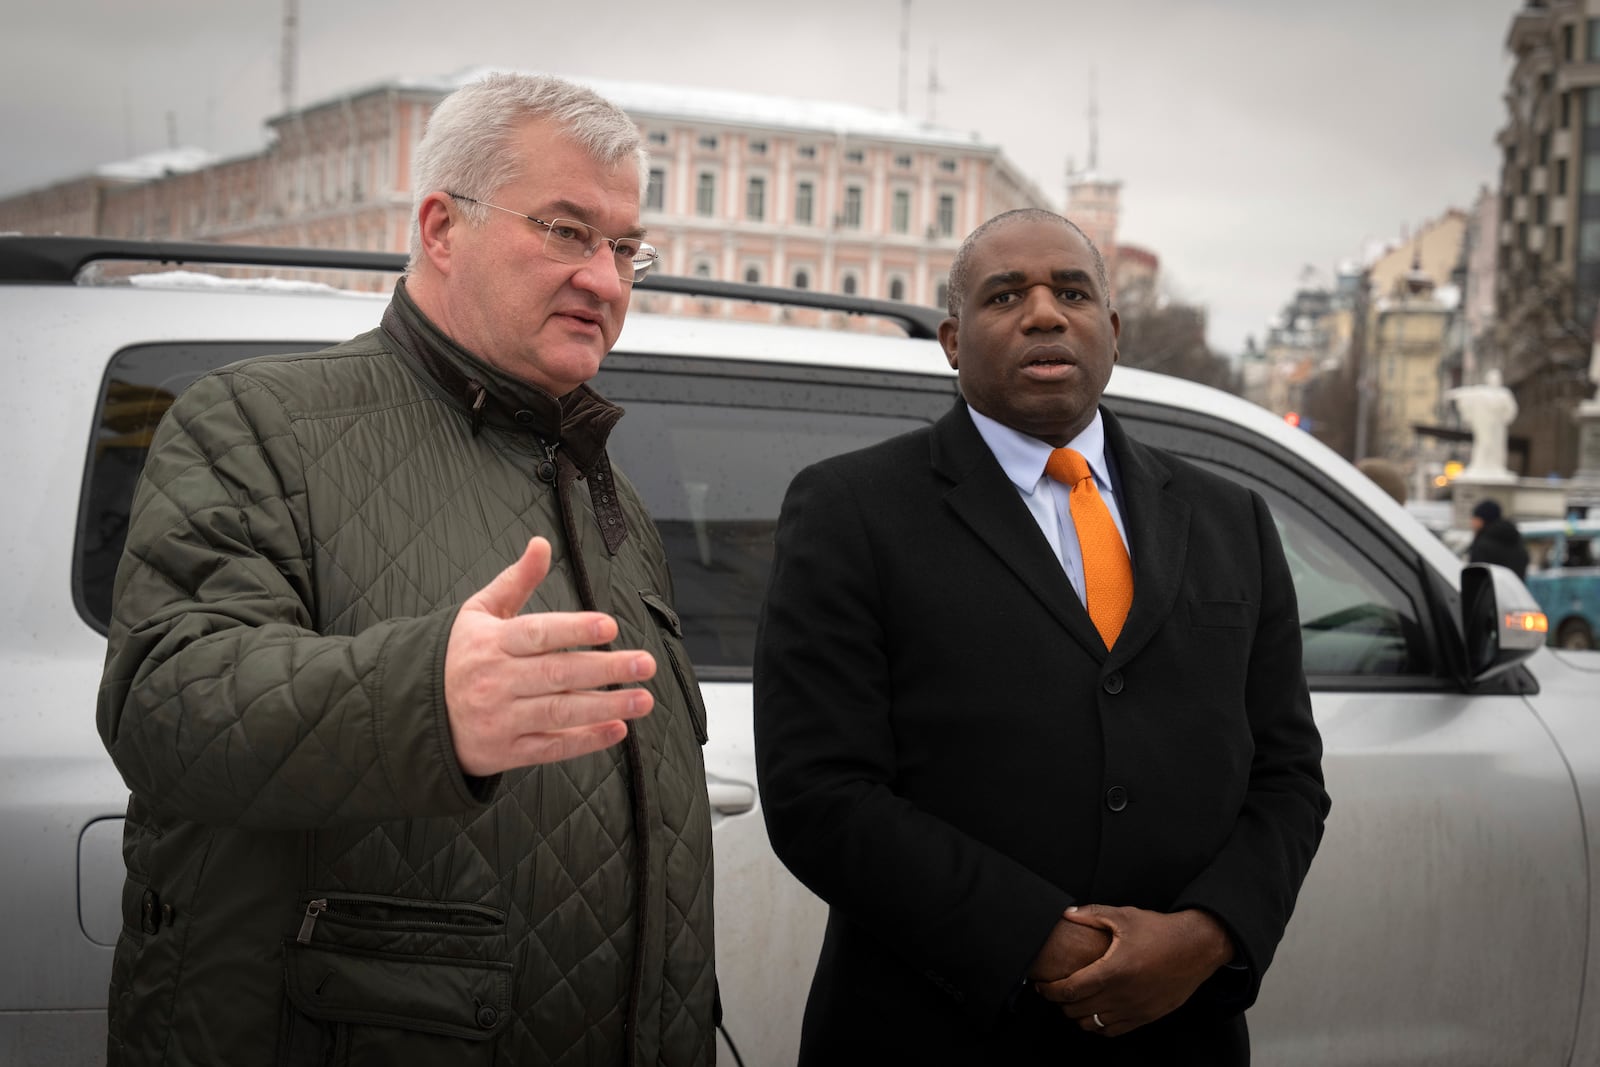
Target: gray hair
point(959, 269)
point(466, 148)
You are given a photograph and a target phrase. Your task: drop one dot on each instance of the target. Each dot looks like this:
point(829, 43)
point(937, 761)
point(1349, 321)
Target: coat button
point(524, 417)
point(1112, 683)
point(547, 472)
point(1116, 798)
point(487, 1017)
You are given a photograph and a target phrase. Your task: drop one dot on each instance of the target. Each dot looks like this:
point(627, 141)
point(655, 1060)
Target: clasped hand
point(1135, 968)
point(520, 689)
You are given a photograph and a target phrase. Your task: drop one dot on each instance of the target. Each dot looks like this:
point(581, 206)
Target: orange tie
point(1107, 574)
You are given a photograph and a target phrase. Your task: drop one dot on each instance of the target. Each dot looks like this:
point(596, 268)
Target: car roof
point(173, 308)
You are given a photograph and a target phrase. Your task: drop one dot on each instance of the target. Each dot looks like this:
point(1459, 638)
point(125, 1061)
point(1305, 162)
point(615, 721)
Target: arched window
point(849, 285)
point(752, 275)
point(802, 279)
point(897, 289)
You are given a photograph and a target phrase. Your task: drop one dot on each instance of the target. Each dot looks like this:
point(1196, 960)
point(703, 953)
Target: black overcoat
point(949, 756)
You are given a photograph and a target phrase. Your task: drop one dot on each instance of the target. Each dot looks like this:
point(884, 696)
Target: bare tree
point(1171, 339)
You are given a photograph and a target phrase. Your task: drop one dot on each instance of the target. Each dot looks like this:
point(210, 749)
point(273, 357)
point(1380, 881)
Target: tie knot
point(1067, 466)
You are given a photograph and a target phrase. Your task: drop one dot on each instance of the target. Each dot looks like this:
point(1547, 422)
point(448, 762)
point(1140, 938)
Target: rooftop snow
point(158, 164)
point(736, 108)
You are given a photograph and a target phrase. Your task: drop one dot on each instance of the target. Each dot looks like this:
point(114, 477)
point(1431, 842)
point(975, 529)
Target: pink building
point(788, 192)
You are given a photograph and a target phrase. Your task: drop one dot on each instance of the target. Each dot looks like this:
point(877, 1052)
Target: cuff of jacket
point(412, 721)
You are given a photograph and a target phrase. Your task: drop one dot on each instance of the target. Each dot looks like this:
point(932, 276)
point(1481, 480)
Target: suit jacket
point(949, 756)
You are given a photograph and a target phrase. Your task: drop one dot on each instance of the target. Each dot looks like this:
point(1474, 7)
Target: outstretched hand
point(518, 691)
point(1156, 961)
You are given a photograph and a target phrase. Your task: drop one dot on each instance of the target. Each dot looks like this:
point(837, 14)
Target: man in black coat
point(1496, 539)
point(1035, 849)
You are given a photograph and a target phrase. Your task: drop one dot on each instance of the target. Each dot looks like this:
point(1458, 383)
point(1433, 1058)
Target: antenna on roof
point(1094, 125)
point(290, 59)
point(905, 56)
point(934, 88)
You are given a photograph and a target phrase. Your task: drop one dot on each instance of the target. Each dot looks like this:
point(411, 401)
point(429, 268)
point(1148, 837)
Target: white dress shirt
point(1023, 458)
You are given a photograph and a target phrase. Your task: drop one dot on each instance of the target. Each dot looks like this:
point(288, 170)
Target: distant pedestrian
point(1496, 539)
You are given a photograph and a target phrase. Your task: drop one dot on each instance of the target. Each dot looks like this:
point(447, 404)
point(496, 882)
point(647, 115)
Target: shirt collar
point(1023, 457)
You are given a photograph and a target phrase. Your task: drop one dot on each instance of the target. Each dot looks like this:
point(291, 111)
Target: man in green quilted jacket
point(394, 679)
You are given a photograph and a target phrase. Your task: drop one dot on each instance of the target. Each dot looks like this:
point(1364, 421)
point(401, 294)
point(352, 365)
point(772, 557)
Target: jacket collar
point(579, 422)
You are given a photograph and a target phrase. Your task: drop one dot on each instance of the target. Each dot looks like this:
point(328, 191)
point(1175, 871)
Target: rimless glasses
point(570, 241)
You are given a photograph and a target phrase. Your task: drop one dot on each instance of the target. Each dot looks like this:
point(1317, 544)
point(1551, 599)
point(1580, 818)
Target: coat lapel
point(1157, 522)
point(984, 499)
point(1158, 530)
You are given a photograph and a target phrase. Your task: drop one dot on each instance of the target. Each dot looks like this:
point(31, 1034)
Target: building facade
point(1409, 333)
point(1547, 276)
point(801, 193)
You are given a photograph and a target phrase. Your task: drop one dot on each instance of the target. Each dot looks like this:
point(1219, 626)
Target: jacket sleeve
point(953, 909)
point(220, 702)
point(1252, 883)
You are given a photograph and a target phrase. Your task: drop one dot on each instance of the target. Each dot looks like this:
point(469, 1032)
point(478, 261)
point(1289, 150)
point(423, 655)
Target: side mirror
point(1500, 620)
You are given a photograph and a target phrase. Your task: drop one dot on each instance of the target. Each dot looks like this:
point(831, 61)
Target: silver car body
point(1448, 918)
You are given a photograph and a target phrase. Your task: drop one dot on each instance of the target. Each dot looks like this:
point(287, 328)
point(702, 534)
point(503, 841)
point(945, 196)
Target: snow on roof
point(189, 279)
point(158, 164)
point(735, 108)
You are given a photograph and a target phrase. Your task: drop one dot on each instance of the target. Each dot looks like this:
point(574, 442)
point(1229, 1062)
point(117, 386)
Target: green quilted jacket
point(311, 877)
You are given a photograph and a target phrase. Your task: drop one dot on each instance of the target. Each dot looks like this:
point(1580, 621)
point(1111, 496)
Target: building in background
point(1547, 270)
point(1410, 330)
point(802, 193)
point(1479, 286)
point(1094, 204)
point(1300, 348)
point(1434, 249)
point(811, 194)
point(1415, 351)
point(1363, 363)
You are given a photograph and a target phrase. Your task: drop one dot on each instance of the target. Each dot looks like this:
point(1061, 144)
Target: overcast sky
point(1253, 138)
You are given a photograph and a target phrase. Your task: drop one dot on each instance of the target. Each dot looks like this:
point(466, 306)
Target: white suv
point(1449, 917)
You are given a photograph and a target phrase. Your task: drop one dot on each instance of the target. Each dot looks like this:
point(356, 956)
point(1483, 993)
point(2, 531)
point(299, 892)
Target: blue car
point(1567, 582)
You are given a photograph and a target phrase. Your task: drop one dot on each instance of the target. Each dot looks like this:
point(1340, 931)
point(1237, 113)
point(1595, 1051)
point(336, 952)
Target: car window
point(1354, 620)
point(712, 445)
point(712, 449)
point(1363, 621)
point(140, 383)
point(1576, 552)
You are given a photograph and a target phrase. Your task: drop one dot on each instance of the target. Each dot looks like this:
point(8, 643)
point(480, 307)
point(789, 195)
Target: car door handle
point(729, 797)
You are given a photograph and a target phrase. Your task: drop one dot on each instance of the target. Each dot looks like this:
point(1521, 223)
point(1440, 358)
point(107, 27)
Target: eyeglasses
point(570, 241)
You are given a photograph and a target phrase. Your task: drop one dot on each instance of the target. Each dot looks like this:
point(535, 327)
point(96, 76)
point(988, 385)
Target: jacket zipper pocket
point(390, 913)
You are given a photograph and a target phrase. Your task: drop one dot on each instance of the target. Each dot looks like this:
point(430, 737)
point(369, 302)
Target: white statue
point(1488, 409)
